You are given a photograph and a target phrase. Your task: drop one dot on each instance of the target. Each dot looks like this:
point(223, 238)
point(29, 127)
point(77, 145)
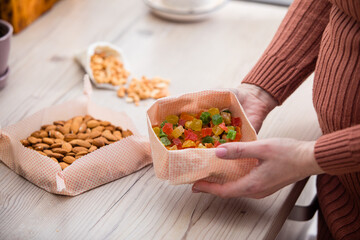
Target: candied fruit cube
point(236, 121)
point(165, 141)
point(196, 125)
point(178, 131)
point(156, 131)
point(205, 117)
point(217, 130)
point(167, 128)
point(227, 117)
point(188, 144)
point(217, 119)
point(190, 135)
point(206, 132)
point(172, 119)
point(213, 111)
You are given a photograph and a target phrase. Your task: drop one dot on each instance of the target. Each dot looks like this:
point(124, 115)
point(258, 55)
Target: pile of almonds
point(66, 141)
point(143, 89)
point(108, 69)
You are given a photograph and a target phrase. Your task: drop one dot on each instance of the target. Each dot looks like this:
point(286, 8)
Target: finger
point(255, 149)
point(242, 187)
point(223, 191)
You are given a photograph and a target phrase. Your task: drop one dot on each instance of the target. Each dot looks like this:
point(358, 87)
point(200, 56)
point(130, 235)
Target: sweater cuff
point(339, 152)
point(276, 76)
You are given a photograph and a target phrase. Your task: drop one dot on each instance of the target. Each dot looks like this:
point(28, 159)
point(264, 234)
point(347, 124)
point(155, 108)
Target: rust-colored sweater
point(324, 35)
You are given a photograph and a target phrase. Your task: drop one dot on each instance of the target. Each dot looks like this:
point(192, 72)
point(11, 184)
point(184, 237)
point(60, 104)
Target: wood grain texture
point(209, 54)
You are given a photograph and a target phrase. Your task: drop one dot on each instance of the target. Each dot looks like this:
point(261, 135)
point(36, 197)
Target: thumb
point(255, 149)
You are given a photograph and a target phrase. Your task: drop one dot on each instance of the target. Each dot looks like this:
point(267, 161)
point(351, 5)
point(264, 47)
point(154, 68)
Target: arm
point(291, 56)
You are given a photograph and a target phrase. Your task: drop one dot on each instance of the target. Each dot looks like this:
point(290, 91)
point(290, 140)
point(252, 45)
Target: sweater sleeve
point(339, 152)
point(291, 56)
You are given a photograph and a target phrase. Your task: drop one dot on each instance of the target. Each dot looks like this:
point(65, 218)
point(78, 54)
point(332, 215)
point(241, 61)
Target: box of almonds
point(71, 150)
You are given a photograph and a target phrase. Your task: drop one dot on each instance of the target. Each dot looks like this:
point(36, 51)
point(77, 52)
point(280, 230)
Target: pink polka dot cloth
point(104, 165)
point(189, 165)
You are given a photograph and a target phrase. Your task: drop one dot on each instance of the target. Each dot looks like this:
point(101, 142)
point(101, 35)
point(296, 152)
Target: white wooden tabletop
point(215, 53)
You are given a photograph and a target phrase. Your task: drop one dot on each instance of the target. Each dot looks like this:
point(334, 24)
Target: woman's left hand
point(281, 162)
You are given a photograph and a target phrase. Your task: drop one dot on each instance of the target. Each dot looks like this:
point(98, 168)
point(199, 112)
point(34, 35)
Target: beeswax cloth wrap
point(94, 169)
point(189, 165)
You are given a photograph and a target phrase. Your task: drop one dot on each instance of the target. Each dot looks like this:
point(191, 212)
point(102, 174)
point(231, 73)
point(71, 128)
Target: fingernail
point(195, 190)
point(221, 152)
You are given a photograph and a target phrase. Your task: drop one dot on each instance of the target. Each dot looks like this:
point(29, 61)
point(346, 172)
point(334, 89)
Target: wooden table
point(195, 56)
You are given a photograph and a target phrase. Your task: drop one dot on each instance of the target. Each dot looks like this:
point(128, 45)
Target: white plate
point(183, 15)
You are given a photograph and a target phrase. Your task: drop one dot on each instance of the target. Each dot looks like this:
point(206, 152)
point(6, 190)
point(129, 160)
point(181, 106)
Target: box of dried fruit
point(184, 131)
point(69, 150)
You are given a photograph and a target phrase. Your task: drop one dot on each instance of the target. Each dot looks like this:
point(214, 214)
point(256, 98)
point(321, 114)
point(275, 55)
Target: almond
point(34, 140)
point(95, 134)
point(43, 134)
point(66, 146)
point(41, 146)
point(43, 127)
point(48, 152)
point(118, 135)
point(50, 127)
point(79, 149)
point(80, 143)
point(59, 123)
point(70, 136)
point(61, 129)
point(127, 133)
point(63, 165)
point(25, 142)
point(87, 118)
point(92, 123)
point(69, 159)
point(90, 140)
point(99, 142)
point(58, 140)
point(52, 133)
point(98, 128)
point(83, 136)
point(54, 159)
point(110, 128)
point(59, 150)
point(82, 128)
point(56, 145)
point(49, 141)
point(67, 128)
point(75, 125)
point(105, 123)
point(92, 148)
point(56, 155)
point(70, 154)
point(81, 153)
point(36, 134)
point(108, 135)
point(59, 135)
point(42, 153)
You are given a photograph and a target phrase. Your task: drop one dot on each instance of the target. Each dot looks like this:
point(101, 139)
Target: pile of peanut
point(143, 89)
point(66, 141)
point(108, 69)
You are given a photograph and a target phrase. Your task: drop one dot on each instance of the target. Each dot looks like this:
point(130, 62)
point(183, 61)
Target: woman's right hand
point(256, 102)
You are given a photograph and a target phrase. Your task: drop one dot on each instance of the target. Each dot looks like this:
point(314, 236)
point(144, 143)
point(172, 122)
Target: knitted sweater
point(324, 36)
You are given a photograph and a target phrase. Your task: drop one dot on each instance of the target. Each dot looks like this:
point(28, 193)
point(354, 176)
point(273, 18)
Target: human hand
point(281, 162)
point(256, 103)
